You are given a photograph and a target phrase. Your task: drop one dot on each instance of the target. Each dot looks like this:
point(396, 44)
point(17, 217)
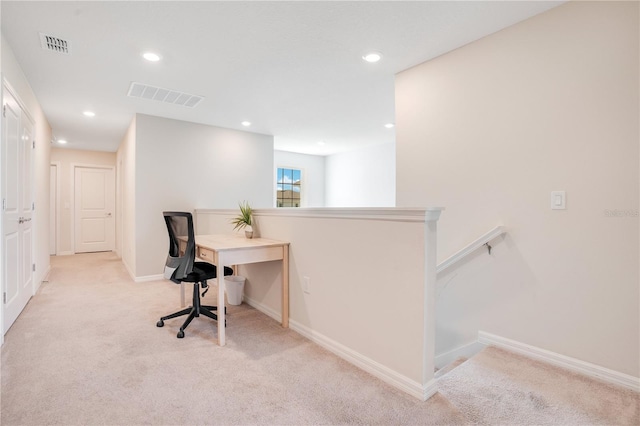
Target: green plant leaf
point(244, 218)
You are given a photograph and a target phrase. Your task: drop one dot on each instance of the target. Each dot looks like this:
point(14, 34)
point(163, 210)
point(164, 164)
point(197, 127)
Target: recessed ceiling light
point(389, 125)
point(89, 113)
point(151, 57)
point(321, 143)
point(62, 141)
point(246, 123)
point(372, 57)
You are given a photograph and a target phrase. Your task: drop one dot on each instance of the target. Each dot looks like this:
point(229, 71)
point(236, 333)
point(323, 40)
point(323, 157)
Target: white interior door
point(17, 196)
point(95, 200)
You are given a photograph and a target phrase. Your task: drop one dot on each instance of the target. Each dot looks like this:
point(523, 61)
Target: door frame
point(57, 204)
point(73, 198)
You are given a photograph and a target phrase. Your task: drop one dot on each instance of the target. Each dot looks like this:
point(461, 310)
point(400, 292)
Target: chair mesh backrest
point(180, 228)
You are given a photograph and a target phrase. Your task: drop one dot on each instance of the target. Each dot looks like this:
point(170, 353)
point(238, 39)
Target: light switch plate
point(558, 200)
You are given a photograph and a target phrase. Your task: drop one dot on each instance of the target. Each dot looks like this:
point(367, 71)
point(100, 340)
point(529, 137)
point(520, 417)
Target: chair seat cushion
point(204, 271)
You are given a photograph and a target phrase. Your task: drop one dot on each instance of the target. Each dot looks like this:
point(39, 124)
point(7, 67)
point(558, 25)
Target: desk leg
point(285, 287)
point(220, 312)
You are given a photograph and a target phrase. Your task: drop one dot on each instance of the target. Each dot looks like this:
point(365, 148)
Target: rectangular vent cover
point(55, 44)
point(152, 93)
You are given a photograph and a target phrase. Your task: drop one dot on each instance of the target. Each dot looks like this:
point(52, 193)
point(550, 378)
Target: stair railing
point(471, 247)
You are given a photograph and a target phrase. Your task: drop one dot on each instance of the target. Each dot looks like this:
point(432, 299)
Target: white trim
point(2, 194)
point(65, 253)
point(22, 105)
point(429, 389)
point(126, 266)
point(57, 206)
point(372, 367)
point(364, 213)
point(263, 308)
point(466, 351)
point(119, 210)
point(572, 364)
point(45, 277)
point(147, 278)
point(471, 247)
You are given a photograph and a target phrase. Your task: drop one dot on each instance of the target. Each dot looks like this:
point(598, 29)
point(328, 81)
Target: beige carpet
point(86, 351)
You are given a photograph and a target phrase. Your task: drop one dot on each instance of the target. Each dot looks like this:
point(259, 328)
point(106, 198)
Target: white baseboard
point(126, 266)
point(142, 279)
point(429, 389)
point(372, 367)
point(573, 364)
point(64, 253)
point(466, 351)
point(44, 278)
point(147, 278)
point(263, 308)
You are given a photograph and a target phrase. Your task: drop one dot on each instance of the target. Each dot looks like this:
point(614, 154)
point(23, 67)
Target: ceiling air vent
point(55, 44)
point(152, 93)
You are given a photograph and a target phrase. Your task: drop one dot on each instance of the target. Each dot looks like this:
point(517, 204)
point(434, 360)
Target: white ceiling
point(293, 69)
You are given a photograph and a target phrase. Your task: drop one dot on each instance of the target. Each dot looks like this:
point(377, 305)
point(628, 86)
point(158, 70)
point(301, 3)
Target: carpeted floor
point(86, 351)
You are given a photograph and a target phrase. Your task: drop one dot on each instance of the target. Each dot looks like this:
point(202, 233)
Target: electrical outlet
point(306, 285)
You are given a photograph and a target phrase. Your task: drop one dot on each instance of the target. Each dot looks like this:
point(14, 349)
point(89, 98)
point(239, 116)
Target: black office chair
point(179, 268)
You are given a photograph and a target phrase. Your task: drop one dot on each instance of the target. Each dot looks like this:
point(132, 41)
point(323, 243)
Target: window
point(288, 185)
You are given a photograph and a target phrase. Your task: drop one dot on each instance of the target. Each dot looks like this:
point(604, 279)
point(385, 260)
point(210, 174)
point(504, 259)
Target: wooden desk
point(233, 249)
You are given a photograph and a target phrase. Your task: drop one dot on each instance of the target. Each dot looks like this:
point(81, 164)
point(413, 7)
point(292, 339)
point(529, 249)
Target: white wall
point(125, 198)
point(13, 74)
point(362, 178)
point(313, 175)
point(365, 177)
point(184, 166)
point(488, 131)
point(67, 158)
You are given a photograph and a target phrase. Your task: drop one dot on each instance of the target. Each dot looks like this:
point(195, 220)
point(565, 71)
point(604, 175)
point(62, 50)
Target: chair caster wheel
point(180, 334)
point(160, 323)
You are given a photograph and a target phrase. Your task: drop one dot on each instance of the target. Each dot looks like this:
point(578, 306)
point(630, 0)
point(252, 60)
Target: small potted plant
point(244, 219)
